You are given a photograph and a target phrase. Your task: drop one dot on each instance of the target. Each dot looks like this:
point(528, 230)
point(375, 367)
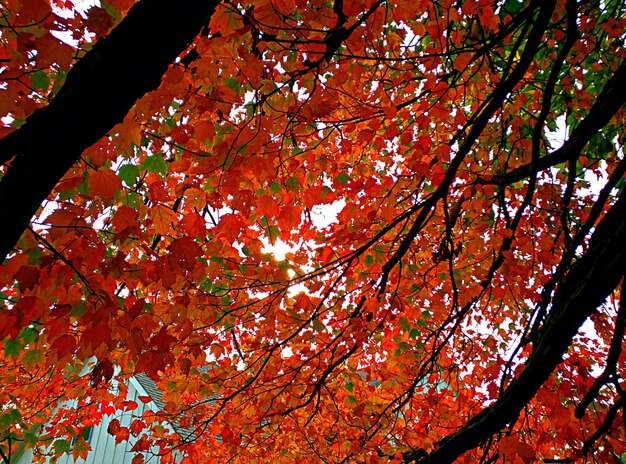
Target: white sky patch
point(324, 215)
point(595, 178)
point(279, 249)
point(557, 137)
point(321, 215)
point(80, 7)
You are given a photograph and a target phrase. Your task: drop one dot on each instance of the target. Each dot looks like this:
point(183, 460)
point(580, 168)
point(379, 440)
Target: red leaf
point(512, 447)
point(162, 341)
point(124, 218)
point(104, 184)
point(64, 346)
point(193, 225)
point(62, 218)
point(137, 426)
point(229, 227)
point(129, 405)
point(27, 277)
point(98, 20)
point(183, 253)
point(150, 362)
point(102, 372)
point(114, 427)
point(143, 444)
point(95, 336)
point(317, 196)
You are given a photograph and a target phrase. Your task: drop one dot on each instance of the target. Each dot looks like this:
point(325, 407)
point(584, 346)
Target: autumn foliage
point(330, 231)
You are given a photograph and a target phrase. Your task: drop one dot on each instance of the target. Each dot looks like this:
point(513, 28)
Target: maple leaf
point(512, 447)
point(63, 347)
point(143, 444)
point(80, 449)
point(99, 20)
point(102, 372)
point(104, 184)
point(27, 277)
point(121, 435)
point(137, 426)
point(150, 362)
point(163, 218)
point(184, 253)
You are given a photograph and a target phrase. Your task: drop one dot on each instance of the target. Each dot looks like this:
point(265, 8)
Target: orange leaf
point(289, 217)
point(162, 219)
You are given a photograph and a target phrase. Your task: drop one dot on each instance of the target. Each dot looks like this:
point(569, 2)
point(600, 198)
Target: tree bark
point(610, 100)
point(98, 92)
point(587, 285)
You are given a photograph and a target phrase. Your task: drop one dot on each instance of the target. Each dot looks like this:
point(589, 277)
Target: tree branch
point(611, 99)
point(590, 281)
point(98, 92)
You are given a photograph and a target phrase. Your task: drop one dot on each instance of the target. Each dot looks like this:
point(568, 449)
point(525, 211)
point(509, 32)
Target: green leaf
point(40, 80)
point(234, 84)
point(155, 164)
point(275, 188)
point(132, 199)
point(512, 7)
point(293, 184)
point(129, 173)
point(78, 310)
point(61, 446)
point(9, 419)
point(403, 346)
point(273, 233)
point(29, 335)
point(12, 348)
point(34, 255)
point(343, 178)
point(318, 325)
point(32, 357)
point(30, 439)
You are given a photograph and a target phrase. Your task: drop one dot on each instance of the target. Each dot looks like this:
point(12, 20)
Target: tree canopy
point(330, 231)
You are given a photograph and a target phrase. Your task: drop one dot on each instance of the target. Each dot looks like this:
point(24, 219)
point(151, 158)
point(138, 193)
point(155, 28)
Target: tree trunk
point(98, 92)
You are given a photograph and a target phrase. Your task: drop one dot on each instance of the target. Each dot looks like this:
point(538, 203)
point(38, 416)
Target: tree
point(464, 303)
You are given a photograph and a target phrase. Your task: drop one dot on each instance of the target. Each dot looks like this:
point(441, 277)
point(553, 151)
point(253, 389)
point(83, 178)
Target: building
point(104, 450)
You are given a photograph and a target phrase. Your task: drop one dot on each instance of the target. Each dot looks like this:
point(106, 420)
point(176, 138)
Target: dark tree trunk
point(99, 91)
